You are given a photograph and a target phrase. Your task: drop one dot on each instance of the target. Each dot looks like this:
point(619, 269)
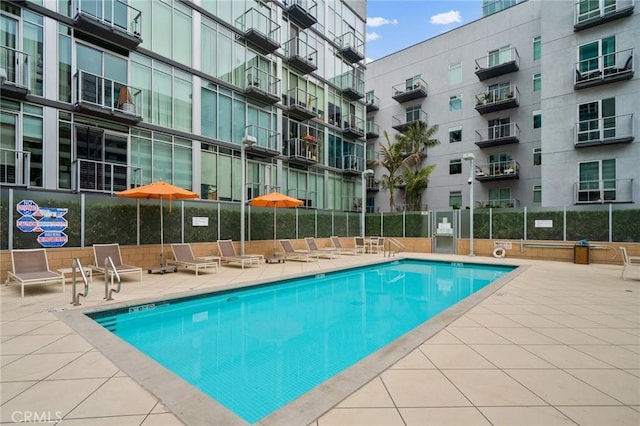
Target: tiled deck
point(558, 344)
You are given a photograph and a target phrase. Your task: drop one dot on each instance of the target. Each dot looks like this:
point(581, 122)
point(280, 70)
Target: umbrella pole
point(274, 230)
point(161, 235)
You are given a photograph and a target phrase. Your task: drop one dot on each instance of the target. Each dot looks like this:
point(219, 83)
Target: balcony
point(414, 88)
point(15, 167)
point(262, 86)
point(373, 130)
point(508, 203)
point(500, 170)
point(401, 121)
point(604, 69)
point(353, 127)
point(100, 176)
point(301, 55)
point(310, 198)
point(352, 86)
point(301, 104)
point(263, 142)
point(589, 13)
point(302, 12)
point(372, 102)
point(352, 204)
point(112, 21)
point(372, 184)
point(99, 96)
point(604, 191)
point(15, 73)
point(502, 134)
point(498, 99)
point(300, 151)
point(604, 131)
point(259, 30)
point(350, 47)
point(498, 63)
point(352, 164)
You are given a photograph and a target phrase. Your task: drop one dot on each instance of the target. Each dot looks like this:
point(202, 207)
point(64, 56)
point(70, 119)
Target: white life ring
point(499, 252)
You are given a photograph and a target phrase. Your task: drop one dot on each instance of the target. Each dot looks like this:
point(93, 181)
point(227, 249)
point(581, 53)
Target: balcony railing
point(351, 47)
point(100, 176)
point(589, 13)
point(302, 12)
point(262, 86)
point(497, 63)
point(604, 191)
point(604, 69)
point(498, 170)
point(351, 203)
point(260, 30)
point(301, 104)
point(107, 98)
point(373, 130)
point(15, 167)
point(372, 184)
point(310, 198)
point(604, 131)
point(352, 85)
point(263, 141)
point(301, 55)
point(353, 127)
point(15, 72)
point(300, 151)
point(352, 164)
point(401, 121)
point(411, 89)
point(372, 102)
point(502, 134)
point(501, 203)
point(497, 99)
point(111, 20)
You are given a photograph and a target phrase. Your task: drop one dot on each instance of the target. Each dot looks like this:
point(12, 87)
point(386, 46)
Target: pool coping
point(194, 407)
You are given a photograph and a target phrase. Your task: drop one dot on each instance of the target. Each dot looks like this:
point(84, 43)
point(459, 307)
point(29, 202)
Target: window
point(455, 199)
point(500, 197)
point(537, 82)
point(455, 103)
point(499, 56)
point(596, 120)
point(589, 9)
point(413, 114)
point(455, 166)
point(537, 156)
point(498, 163)
point(499, 92)
point(537, 119)
point(537, 194)
point(455, 73)
point(455, 134)
point(596, 55)
point(597, 181)
point(537, 48)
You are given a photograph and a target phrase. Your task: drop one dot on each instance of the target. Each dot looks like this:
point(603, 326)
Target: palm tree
point(391, 158)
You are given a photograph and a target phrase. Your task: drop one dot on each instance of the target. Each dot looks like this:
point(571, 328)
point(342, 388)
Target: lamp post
point(470, 158)
point(363, 203)
point(246, 141)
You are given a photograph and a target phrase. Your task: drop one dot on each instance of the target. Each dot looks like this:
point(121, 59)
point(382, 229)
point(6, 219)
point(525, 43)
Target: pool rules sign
point(48, 222)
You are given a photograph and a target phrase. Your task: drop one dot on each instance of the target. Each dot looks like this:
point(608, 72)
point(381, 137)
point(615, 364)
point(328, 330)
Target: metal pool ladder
point(399, 247)
point(110, 269)
point(77, 267)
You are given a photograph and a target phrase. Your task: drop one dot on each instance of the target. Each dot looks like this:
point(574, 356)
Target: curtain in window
point(208, 113)
point(141, 156)
point(162, 99)
point(182, 104)
point(208, 50)
point(64, 66)
point(33, 45)
point(162, 164)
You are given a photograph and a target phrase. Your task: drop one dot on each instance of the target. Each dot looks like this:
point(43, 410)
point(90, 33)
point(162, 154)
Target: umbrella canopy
point(162, 191)
point(275, 200)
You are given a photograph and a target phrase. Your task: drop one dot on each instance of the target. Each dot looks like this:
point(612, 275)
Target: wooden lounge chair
point(628, 262)
point(229, 256)
point(183, 256)
point(30, 266)
point(328, 252)
point(100, 254)
point(344, 250)
point(291, 253)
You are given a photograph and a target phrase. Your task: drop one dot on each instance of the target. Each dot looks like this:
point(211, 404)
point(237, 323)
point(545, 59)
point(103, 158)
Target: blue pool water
point(254, 350)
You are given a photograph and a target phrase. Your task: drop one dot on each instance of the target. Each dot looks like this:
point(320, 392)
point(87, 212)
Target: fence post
point(491, 223)
point(404, 223)
point(82, 217)
point(610, 222)
point(564, 223)
point(524, 223)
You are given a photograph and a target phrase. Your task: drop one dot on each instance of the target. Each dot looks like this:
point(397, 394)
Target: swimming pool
point(256, 349)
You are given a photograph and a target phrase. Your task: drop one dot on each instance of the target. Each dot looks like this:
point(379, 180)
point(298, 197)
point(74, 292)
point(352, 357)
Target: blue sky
point(393, 25)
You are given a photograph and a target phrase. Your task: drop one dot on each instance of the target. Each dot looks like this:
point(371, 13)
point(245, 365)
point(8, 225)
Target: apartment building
point(543, 94)
point(99, 96)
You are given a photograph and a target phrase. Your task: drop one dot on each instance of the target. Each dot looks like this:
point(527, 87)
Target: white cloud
point(373, 36)
point(446, 18)
point(379, 21)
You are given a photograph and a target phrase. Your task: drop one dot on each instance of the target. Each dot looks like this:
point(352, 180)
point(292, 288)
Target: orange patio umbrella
point(275, 200)
point(163, 191)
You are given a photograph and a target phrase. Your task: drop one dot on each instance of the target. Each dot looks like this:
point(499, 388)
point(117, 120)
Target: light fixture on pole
point(470, 158)
point(363, 202)
point(248, 141)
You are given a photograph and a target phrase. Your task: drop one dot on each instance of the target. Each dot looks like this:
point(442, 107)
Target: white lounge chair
point(100, 254)
point(291, 253)
point(30, 266)
point(328, 252)
point(183, 256)
point(229, 256)
point(628, 262)
point(344, 250)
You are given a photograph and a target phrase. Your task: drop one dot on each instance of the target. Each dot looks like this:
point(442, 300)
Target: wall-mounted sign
point(47, 221)
point(544, 224)
point(199, 221)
